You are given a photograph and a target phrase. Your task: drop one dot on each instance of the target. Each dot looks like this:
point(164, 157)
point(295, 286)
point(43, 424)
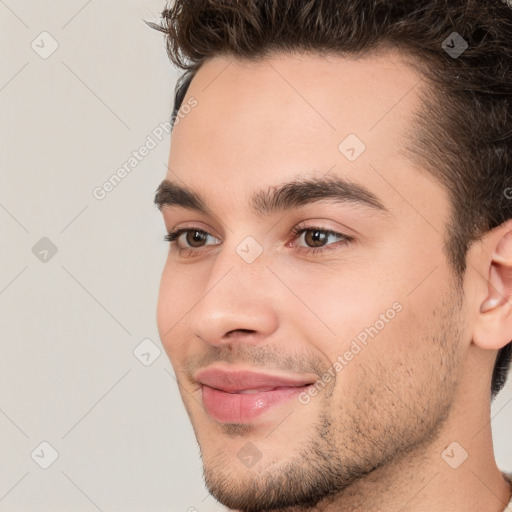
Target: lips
point(241, 396)
point(239, 380)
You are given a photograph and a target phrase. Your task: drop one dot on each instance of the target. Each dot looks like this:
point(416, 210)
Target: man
point(336, 301)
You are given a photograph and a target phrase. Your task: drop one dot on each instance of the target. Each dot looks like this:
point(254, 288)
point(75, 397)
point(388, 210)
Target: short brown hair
point(463, 133)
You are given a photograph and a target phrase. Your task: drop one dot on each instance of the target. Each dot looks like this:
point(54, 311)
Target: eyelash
point(173, 237)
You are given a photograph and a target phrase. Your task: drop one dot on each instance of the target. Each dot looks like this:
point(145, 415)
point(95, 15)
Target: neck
point(434, 476)
point(423, 481)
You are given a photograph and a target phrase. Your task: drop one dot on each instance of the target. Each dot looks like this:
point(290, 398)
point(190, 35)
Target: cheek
point(338, 305)
point(407, 339)
point(172, 307)
point(388, 362)
point(372, 315)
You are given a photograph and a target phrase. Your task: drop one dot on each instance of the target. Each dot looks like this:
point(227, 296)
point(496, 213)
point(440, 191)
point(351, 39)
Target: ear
point(493, 326)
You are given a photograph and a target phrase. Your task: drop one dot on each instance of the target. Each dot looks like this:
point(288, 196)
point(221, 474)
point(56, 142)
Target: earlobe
point(493, 328)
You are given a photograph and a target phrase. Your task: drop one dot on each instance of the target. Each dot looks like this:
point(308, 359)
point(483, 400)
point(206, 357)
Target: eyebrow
point(277, 198)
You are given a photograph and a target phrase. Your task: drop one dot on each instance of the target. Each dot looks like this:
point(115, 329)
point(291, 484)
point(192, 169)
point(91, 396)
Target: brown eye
point(195, 238)
point(315, 238)
point(191, 240)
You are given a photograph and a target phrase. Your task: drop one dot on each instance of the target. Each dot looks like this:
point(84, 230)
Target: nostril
point(230, 333)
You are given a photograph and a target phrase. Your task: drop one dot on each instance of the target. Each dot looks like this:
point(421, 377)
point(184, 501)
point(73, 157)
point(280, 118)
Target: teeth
point(252, 391)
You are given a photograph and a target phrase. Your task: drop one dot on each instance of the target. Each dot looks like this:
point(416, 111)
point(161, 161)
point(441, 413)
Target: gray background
point(70, 321)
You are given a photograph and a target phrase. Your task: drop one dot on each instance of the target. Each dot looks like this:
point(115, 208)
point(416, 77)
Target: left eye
point(316, 238)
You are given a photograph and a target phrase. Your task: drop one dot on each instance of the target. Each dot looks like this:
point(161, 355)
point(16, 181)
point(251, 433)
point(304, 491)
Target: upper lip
point(239, 380)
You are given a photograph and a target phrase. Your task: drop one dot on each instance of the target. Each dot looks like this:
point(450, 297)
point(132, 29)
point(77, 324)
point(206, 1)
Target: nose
point(237, 304)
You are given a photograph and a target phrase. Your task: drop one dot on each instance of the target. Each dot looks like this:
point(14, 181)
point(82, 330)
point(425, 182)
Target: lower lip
point(243, 408)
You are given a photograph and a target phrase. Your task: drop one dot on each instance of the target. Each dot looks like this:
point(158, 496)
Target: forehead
point(262, 122)
point(330, 91)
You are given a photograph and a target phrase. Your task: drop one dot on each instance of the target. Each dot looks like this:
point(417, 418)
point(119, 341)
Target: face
point(308, 307)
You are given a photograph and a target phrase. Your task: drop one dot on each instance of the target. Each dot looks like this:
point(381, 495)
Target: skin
point(373, 438)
